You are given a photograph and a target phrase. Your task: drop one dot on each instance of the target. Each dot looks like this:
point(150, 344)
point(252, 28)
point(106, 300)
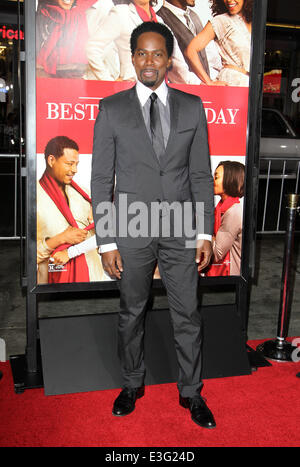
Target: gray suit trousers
point(179, 274)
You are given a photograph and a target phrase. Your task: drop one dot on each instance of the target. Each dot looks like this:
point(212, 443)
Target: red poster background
point(70, 107)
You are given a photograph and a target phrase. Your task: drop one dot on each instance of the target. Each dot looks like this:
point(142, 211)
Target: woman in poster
point(227, 240)
point(62, 32)
point(230, 28)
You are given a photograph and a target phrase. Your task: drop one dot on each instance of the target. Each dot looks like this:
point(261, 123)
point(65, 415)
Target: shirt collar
point(177, 11)
point(143, 92)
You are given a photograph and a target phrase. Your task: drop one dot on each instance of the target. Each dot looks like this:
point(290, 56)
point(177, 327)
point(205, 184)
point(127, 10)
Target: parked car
point(278, 141)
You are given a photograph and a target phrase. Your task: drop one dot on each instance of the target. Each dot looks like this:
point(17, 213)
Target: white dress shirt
point(178, 12)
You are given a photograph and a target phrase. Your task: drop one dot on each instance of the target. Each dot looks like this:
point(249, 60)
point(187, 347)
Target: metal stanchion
point(279, 349)
point(1, 374)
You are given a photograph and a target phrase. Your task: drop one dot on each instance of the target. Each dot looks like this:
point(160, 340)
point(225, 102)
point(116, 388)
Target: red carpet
point(262, 409)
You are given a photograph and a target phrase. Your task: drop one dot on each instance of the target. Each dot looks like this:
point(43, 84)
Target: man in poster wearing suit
point(184, 23)
point(156, 148)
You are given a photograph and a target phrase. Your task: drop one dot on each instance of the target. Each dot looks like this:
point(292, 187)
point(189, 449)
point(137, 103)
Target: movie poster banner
point(83, 55)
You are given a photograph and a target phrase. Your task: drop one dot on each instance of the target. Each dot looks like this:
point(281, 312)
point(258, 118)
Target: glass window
point(273, 125)
point(11, 110)
point(9, 88)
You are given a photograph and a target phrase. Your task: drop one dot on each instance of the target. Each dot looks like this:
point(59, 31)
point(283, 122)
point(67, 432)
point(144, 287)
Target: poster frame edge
point(252, 141)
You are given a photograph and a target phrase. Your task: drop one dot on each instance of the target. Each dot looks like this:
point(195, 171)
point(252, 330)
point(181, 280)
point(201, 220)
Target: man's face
point(182, 3)
point(65, 4)
point(64, 168)
point(185, 3)
point(151, 60)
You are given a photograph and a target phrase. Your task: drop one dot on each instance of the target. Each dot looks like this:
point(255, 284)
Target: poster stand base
point(79, 353)
point(277, 350)
point(23, 379)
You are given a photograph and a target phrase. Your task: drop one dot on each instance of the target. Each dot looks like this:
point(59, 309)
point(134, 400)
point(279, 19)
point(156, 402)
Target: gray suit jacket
point(124, 162)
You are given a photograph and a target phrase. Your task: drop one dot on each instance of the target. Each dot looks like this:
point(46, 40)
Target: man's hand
point(112, 263)
point(203, 253)
point(60, 257)
point(73, 235)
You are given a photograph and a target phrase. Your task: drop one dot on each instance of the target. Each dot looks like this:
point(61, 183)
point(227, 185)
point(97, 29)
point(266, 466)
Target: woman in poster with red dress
point(227, 240)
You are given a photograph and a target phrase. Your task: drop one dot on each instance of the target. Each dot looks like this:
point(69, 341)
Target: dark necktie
point(155, 127)
point(190, 23)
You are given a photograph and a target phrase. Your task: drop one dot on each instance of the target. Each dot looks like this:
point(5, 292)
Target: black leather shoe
point(125, 402)
point(199, 411)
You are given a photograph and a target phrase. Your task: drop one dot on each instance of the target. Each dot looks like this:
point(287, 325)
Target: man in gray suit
point(155, 146)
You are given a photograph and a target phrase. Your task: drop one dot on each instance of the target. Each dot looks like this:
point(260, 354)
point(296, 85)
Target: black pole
point(1, 374)
point(279, 349)
point(26, 369)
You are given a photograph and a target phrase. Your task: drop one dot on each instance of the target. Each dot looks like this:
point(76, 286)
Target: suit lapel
point(174, 112)
point(136, 111)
